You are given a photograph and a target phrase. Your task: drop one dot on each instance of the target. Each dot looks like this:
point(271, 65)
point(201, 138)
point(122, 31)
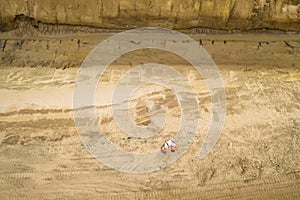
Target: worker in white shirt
point(170, 144)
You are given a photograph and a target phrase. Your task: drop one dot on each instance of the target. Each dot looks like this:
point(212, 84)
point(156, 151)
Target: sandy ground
point(256, 157)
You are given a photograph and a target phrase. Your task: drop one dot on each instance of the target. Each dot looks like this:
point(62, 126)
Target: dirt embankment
point(227, 15)
point(67, 51)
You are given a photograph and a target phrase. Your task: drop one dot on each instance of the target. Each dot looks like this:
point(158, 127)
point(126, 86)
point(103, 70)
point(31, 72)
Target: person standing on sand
point(170, 144)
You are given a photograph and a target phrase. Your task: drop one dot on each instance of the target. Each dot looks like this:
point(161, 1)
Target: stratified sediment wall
point(226, 15)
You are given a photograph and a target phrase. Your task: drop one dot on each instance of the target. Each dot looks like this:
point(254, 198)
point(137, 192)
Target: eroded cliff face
point(228, 15)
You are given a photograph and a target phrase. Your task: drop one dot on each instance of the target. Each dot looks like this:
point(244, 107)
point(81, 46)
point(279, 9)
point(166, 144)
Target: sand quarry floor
point(256, 157)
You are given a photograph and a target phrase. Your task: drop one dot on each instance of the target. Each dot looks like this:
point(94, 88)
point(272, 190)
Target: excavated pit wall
point(228, 15)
